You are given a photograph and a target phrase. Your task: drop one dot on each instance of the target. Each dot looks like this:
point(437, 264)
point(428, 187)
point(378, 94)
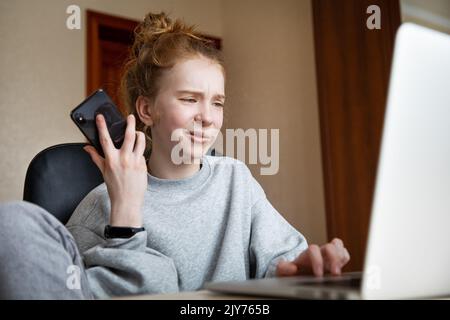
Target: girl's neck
point(161, 166)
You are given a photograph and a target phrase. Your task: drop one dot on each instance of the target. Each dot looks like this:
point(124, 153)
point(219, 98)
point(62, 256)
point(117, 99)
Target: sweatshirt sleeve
point(118, 267)
point(272, 238)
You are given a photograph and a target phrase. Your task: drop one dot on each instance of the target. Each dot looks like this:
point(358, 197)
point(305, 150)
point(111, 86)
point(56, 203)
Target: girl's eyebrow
point(199, 93)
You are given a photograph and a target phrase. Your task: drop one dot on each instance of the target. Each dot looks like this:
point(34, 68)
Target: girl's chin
point(192, 153)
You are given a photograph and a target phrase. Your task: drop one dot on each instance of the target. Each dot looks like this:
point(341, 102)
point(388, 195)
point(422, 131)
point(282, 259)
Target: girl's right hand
point(124, 171)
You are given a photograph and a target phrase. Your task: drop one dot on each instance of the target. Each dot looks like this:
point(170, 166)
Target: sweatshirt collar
point(190, 183)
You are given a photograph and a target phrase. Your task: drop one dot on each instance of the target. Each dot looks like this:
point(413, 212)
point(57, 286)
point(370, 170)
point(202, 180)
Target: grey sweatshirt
point(216, 225)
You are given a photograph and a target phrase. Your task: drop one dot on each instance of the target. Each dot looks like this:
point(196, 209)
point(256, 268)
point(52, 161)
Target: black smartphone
point(84, 117)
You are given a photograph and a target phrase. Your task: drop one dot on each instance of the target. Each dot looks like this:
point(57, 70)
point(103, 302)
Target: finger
point(331, 256)
point(342, 251)
point(346, 256)
point(316, 260)
point(338, 243)
point(96, 158)
point(130, 135)
point(140, 143)
point(103, 133)
point(286, 268)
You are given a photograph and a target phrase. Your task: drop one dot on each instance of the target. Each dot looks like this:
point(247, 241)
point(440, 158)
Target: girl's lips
point(198, 137)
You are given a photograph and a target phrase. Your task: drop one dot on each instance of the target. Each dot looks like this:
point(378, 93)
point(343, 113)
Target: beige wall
point(268, 47)
point(271, 83)
point(433, 14)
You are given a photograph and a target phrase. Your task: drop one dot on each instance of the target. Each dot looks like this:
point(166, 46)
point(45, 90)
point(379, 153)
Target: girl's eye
point(190, 100)
point(218, 104)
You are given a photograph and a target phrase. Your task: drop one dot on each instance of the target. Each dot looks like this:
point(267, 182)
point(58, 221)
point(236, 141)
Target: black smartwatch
point(120, 232)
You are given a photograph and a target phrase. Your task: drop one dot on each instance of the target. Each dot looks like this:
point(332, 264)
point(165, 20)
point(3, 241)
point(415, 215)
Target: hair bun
point(157, 23)
point(153, 26)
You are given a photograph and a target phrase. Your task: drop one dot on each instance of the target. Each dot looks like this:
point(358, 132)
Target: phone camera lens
point(80, 118)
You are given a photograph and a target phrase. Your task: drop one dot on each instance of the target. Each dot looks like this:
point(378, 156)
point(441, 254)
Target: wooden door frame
point(95, 20)
point(351, 99)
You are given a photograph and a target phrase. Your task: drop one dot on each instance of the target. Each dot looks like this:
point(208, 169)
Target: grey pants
point(39, 258)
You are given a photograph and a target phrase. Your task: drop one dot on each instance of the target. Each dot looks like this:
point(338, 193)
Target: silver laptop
point(408, 250)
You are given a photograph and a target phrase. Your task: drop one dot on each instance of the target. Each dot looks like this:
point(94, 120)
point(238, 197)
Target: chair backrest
point(59, 177)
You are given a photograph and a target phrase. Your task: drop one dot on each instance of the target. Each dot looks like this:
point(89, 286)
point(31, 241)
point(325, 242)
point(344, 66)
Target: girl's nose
point(204, 115)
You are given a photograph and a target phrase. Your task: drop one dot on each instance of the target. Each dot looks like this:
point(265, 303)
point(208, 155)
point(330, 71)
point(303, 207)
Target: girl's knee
point(18, 215)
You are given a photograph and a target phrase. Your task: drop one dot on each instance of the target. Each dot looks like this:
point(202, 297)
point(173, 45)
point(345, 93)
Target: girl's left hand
point(331, 257)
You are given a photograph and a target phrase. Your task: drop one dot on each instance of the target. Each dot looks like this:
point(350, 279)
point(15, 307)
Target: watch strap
point(120, 232)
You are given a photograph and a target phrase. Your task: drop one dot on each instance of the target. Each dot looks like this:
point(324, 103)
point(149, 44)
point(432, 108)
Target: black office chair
point(59, 177)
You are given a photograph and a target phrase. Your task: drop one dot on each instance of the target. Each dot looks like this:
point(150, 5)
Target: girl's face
point(189, 108)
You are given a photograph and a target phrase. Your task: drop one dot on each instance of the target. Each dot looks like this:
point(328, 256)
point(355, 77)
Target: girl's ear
point(143, 109)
